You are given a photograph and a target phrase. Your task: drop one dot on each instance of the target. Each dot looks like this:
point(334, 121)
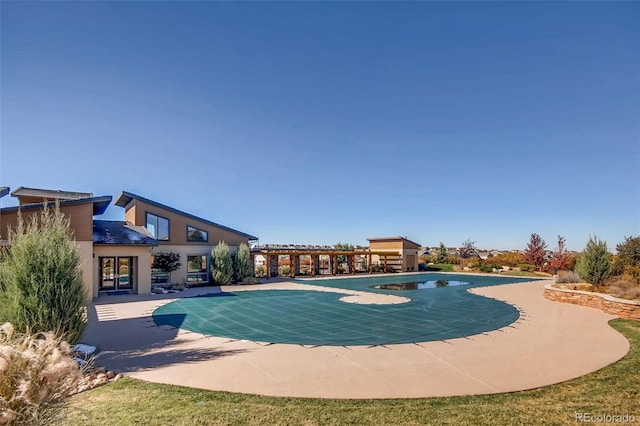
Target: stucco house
point(117, 255)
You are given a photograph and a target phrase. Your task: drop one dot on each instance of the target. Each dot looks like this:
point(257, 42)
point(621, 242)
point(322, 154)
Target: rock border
point(629, 309)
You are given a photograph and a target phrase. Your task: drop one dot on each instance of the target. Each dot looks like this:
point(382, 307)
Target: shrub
point(568, 277)
point(286, 270)
point(525, 267)
point(594, 264)
point(511, 259)
point(243, 268)
point(486, 268)
point(41, 285)
point(624, 286)
point(37, 373)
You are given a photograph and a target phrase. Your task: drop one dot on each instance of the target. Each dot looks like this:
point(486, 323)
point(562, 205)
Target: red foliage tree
point(468, 249)
point(535, 253)
point(560, 259)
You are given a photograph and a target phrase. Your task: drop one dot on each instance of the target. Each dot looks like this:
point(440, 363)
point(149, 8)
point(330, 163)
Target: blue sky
point(337, 121)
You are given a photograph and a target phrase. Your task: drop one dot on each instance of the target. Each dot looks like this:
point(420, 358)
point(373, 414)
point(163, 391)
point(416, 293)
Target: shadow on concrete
point(139, 344)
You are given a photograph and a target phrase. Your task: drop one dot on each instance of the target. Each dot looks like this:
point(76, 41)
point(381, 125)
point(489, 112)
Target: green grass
point(612, 390)
point(440, 267)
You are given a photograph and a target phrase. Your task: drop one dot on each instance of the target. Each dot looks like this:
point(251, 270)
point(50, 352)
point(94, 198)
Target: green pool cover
point(320, 318)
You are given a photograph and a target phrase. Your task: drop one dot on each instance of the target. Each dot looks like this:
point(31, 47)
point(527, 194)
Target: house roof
point(119, 232)
point(4, 190)
point(100, 204)
point(127, 197)
point(50, 194)
point(398, 238)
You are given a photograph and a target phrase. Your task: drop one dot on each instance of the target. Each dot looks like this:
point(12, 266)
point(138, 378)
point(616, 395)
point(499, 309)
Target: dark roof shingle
point(121, 233)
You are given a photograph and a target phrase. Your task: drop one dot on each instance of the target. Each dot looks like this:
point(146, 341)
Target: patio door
point(116, 273)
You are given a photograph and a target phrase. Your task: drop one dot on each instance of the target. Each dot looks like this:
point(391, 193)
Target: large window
point(158, 276)
point(195, 234)
point(197, 271)
point(158, 227)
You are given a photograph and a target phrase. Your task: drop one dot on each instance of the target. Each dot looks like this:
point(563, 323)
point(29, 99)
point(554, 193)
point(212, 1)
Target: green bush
point(525, 267)
point(627, 262)
point(243, 268)
point(221, 264)
point(486, 268)
point(37, 372)
point(41, 287)
point(594, 264)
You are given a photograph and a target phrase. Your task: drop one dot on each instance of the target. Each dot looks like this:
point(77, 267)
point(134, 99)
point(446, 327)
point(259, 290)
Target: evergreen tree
point(41, 286)
point(221, 264)
point(594, 264)
point(242, 263)
point(443, 254)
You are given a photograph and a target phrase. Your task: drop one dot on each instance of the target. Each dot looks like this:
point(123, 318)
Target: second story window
point(158, 227)
point(195, 234)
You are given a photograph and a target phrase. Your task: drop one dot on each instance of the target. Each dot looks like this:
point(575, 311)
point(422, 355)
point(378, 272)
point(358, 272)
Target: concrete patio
point(551, 342)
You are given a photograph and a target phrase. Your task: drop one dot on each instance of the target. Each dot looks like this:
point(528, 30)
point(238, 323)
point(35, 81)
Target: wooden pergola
point(295, 254)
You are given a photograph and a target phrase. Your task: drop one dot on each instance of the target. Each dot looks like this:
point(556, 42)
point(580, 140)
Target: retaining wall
point(629, 309)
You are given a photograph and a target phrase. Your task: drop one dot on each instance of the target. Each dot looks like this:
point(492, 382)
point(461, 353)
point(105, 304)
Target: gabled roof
point(398, 238)
point(50, 194)
point(127, 197)
point(100, 204)
point(4, 190)
point(119, 232)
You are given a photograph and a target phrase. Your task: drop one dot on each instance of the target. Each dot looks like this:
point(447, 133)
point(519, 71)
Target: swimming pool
point(319, 318)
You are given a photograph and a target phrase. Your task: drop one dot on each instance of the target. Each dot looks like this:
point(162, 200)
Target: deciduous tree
point(468, 249)
point(628, 259)
point(535, 253)
point(166, 262)
point(560, 258)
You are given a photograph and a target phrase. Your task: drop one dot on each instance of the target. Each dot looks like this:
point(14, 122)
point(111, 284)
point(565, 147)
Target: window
point(195, 234)
point(158, 276)
point(158, 227)
point(197, 271)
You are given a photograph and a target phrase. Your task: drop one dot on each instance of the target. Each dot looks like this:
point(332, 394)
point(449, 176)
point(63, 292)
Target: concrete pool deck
point(550, 342)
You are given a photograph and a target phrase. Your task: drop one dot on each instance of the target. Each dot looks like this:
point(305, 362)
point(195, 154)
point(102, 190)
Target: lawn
point(614, 390)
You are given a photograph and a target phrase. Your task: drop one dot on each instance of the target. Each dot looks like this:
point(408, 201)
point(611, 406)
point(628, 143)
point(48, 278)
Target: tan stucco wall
point(180, 275)
point(407, 264)
point(80, 220)
point(86, 252)
point(386, 246)
point(141, 265)
point(137, 211)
